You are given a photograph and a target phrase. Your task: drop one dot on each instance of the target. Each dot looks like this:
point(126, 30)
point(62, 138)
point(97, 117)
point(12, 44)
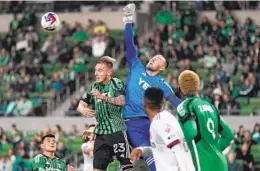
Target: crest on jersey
point(168, 129)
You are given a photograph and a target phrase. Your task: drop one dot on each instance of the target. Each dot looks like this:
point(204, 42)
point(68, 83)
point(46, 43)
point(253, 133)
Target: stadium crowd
point(225, 53)
point(18, 148)
point(35, 65)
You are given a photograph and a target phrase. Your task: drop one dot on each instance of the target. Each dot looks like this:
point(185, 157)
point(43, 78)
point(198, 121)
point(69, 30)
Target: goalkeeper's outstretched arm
point(131, 54)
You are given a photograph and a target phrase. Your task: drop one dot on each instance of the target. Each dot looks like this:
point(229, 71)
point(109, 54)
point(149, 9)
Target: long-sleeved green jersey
point(206, 132)
point(44, 163)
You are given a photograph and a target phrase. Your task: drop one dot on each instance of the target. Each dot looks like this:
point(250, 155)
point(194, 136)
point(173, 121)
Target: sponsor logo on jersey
point(168, 129)
point(143, 84)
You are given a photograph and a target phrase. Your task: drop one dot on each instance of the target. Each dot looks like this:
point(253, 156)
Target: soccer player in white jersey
point(87, 148)
point(168, 145)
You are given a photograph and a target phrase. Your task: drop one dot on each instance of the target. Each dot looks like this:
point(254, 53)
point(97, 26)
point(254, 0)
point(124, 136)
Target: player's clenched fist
point(136, 154)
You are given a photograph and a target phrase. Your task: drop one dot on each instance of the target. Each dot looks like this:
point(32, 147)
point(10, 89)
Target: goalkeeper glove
point(128, 13)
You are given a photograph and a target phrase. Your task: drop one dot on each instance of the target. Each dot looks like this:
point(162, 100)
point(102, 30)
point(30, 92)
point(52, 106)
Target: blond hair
point(189, 83)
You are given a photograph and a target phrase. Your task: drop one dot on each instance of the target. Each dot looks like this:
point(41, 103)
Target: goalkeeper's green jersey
point(44, 163)
point(206, 132)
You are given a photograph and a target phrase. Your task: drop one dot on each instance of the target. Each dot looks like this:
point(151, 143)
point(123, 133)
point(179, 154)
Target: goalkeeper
point(139, 79)
point(205, 130)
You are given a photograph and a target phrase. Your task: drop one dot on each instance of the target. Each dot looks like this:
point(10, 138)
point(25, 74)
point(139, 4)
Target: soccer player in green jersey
point(47, 161)
point(205, 130)
point(106, 94)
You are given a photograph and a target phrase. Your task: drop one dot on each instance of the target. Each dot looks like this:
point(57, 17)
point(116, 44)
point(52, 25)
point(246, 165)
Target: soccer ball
point(50, 21)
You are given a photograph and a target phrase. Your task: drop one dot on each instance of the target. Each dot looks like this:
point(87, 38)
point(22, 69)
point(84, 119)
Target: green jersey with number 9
point(206, 132)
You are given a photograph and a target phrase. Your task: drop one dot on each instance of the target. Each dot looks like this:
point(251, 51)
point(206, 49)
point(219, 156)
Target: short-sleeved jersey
point(109, 117)
point(138, 80)
point(44, 163)
point(165, 132)
point(204, 148)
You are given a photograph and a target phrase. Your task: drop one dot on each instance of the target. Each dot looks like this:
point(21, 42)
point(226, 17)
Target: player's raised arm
point(84, 102)
point(226, 134)
point(131, 54)
point(169, 95)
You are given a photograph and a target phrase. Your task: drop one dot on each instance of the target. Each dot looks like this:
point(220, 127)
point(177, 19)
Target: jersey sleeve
point(169, 94)
point(131, 54)
point(167, 133)
point(167, 90)
point(187, 120)
point(38, 163)
point(226, 134)
point(88, 97)
point(184, 112)
point(63, 166)
point(119, 87)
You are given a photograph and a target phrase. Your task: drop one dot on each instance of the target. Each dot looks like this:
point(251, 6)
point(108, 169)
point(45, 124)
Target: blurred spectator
point(210, 60)
point(58, 132)
point(74, 131)
point(256, 133)
point(73, 107)
point(56, 84)
point(31, 149)
point(6, 164)
point(164, 16)
point(186, 52)
point(37, 69)
point(229, 66)
point(217, 101)
point(24, 106)
point(240, 135)
point(65, 29)
point(4, 57)
point(79, 33)
point(98, 46)
point(246, 88)
point(248, 140)
point(14, 24)
point(245, 155)
point(99, 28)
point(229, 106)
point(61, 150)
point(233, 164)
point(78, 55)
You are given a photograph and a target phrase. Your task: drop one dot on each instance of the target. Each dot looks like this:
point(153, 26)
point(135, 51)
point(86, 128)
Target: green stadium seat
point(242, 100)
point(48, 95)
point(196, 64)
point(255, 151)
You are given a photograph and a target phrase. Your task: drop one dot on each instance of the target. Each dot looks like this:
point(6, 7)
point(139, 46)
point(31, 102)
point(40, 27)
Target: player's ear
point(162, 68)
point(42, 146)
point(109, 72)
